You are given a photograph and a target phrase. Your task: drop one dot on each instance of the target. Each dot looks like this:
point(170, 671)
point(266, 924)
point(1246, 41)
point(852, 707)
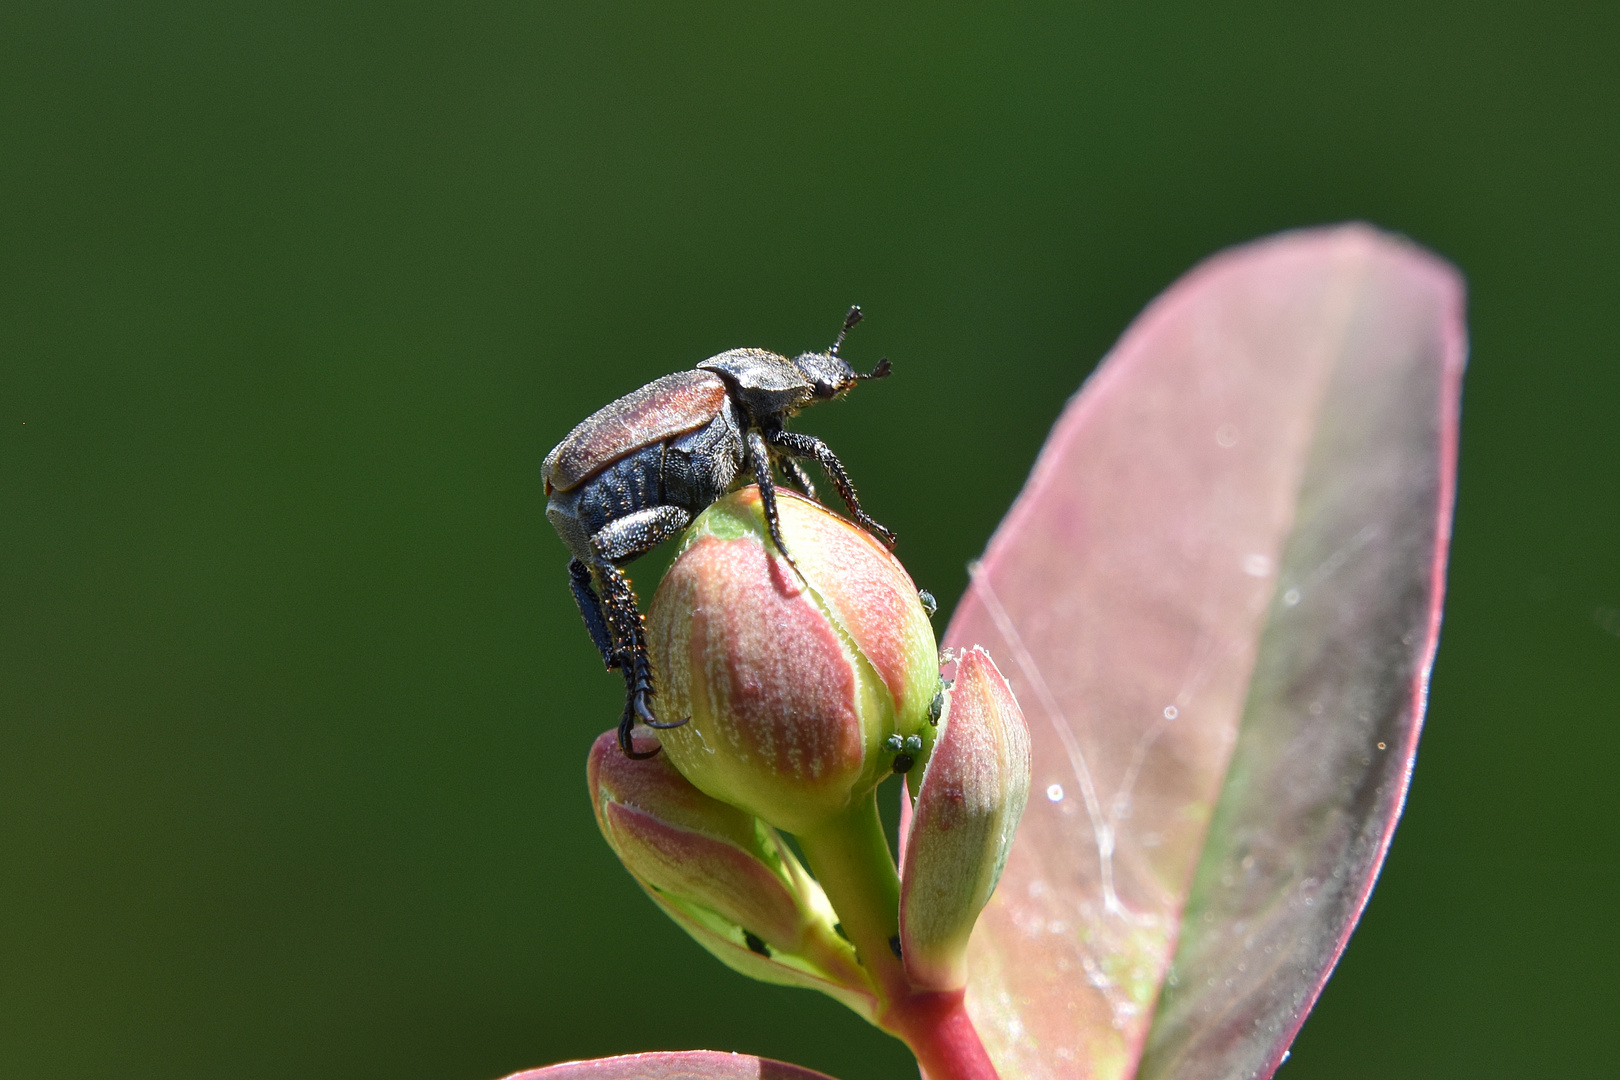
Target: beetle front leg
point(808, 446)
point(797, 475)
point(760, 456)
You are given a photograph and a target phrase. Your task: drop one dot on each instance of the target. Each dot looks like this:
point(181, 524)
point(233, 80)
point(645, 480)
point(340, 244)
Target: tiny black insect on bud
point(929, 604)
point(936, 708)
point(894, 946)
point(903, 763)
point(913, 744)
point(838, 928)
point(756, 945)
point(894, 744)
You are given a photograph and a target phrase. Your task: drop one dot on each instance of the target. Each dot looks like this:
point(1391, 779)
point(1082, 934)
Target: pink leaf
point(673, 1065)
point(1217, 600)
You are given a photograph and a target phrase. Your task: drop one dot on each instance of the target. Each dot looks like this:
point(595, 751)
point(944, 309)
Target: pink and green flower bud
point(794, 686)
point(963, 823)
point(722, 875)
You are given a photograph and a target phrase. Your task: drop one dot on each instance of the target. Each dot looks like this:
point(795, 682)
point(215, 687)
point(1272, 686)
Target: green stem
point(850, 857)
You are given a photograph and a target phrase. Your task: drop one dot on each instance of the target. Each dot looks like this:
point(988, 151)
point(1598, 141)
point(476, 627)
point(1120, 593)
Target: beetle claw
point(626, 725)
point(664, 725)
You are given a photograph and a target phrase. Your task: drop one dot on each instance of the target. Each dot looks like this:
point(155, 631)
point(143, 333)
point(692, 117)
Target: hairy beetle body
point(663, 408)
point(636, 472)
point(687, 471)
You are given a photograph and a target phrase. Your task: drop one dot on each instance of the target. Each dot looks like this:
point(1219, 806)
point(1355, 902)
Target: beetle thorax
point(765, 386)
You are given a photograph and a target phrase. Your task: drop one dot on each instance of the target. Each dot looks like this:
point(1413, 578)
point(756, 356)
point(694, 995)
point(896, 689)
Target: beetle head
point(829, 375)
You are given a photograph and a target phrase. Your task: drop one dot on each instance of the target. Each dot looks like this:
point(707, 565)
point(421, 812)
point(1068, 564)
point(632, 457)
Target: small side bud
point(962, 826)
point(725, 877)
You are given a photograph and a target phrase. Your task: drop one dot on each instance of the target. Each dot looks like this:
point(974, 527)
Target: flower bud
point(793, 685)
point(723, 876)
point(963, 823)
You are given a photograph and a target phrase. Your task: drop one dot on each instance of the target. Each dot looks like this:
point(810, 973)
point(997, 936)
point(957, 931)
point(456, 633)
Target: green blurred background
point(295, 297)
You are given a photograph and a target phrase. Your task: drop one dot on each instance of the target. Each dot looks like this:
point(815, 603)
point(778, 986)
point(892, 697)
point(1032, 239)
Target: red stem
point(937, 1028)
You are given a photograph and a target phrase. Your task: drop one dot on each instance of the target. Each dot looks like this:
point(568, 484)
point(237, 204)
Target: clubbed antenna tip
point(879, 372)
point(850, 321)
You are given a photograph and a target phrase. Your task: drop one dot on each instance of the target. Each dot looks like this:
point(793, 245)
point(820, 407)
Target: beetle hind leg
point(640, 532)
point(590, 609)
point(624, 614)
point(627, 724)
point(637, 671)
point(630, 645)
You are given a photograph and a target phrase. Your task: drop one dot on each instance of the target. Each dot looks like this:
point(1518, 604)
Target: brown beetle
point(636, 473)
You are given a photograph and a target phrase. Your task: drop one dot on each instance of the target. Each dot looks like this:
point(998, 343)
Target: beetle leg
point(621, 539)
point(760, 455)
point(796, 474)
point(627, 723)
point(624, 615)
point(808, 446)
point(590, 609)
point(639, 532)
point(620, 601)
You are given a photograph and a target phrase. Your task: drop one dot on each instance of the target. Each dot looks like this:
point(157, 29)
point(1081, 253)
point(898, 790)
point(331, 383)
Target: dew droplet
point(1381, 746)
point(1226, 436)
point(1291, 597)
point(1171, 712)
point(1054, 793)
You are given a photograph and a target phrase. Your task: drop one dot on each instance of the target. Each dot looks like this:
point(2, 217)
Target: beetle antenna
point(850, 320)
point(879, 372)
